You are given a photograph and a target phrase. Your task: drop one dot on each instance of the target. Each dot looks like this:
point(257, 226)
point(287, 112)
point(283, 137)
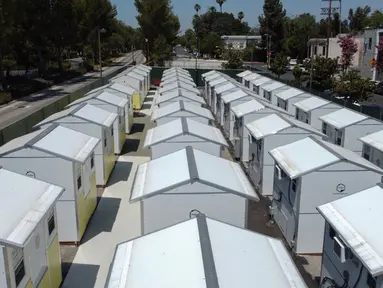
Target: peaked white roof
point(134, 74)
point(183, 126)
point(181, 106)
point(251, 76)
point(261, 80)
point(145, 67)
point(175, 69)
point(140, 71)
point(232, 96)
point(309, 154)
point(126, 89)
point(217, 81)
point(170, 76)
point(86, 112)
point(311, 103)
point(198, 254)
point(213, 76)
point(343, 118)
point(168, 96)
point(178, 79)
point(273, 86)
point(24, 202)
point(289, 93)
point(374, 140)
point(177, 85)
point(244, 73)
point(54, 140)
point(188, 166)
point(359, 230)
point(245, 108)
point(104, 96)
point(224, 87)
point(204, 75)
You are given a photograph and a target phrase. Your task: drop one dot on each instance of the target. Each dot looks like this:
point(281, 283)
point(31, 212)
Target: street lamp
point(102, 30)
point(147, 50)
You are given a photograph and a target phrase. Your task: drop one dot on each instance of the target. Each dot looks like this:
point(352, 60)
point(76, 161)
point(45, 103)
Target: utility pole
point(328, 27)
point(99, 51)
point(329, 11)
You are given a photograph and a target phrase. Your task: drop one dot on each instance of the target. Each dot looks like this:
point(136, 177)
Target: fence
point(187, 63)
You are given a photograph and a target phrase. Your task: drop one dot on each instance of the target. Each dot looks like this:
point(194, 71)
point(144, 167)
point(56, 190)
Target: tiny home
point(207, 80)
point(94, 122)
point(176, 86)
point(198, 253)
point(148, 69)
point(180, 109)
point(136, 81)
point(344, 127)
point(65, 157)
point(267, 133)
point(211, 86)
point(189, 180)
point(182, 132)
point(249, 78)
point(373, 148)
point(258, 82)
point(352, 245)
point(204, 75)
point(220, 90)
point(231, 99)
point(29, 249)
point(144, 74)
point(177, 79)
point(176, 70)
point(243, 74)
point(115, 104)
point(309, 173)
point(178, 95)
point(177, 75)
point(270, 90)
point(287, 98)
point(310, 109)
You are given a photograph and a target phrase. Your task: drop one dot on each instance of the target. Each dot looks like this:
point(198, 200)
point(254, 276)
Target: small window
point(369, 43)
point(267, 95)
point(105, 142)
point(332, 233)
point(297, 114)
point(92, 160)
point(247, 83)
point(294, 185)
point(315, 50)
point(371, 281)
point(366, 152)
point(51, 224)
point(19, 272)
point(111, 131)
point(79, 182)
point(324, 128)
point(323, 50)
point(338, 135)
point(119, 120)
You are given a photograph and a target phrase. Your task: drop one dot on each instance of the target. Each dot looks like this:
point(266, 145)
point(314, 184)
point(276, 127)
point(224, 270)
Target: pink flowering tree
point(379, 59)
point(349, 47)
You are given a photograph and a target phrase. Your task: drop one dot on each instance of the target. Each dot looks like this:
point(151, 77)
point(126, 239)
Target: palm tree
point(197, 7)
point(241, 15)
point(212, 9)
point(220, 3)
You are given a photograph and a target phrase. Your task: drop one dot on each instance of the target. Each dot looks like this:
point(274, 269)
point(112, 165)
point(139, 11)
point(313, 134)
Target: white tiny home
point(258, 83)
point(353, 246)
point(170, 76)
point(309, 173)
point(176, 86)
point(176, 70)
point(204, 75)
point(241, 75)
point(175, 110)
point(373, 148)
point(144, 73)
point(270, 90)
point(200, 253)
point(112, 103)
point(94, 122)
point(231, 99)
point(207, 80)
point(249, 78)
point(220, 90)
point(212, 84)
point(134, 80)
point(267, 133)
point(177, 79)
point(344, 127)
point(64, 157)
point(29, 249)
point(178, 95)
point(182, 132)
point(287, 98)
point(311, 109)
point(189, 180)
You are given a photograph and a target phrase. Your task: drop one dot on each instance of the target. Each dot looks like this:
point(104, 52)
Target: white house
point(249, 78)
point(344, 127)
point(241, 75)
point(270, 90)
point(310, 109)
point(147, 69)
point(231, 99)
point(66, 158)
point(373, 148)
point(146, 74)
point(175, 110)
point(207, 80)
point(176, 70)
point(112, 103)
point(94, 122)
point(178, 95)
point(244, 113)
point(211, 86)
point(176, 86)
point(135, 81)
point(267, 133)
point(177, 79)
point(201, 253)
point(287, 98)
point(30, 253)
point(353, 247)
point(309, 173)
point(220, 90)
point(204, 75)
point(170, 76)
point(189, 180)
point(258, 82)
point(182, 132)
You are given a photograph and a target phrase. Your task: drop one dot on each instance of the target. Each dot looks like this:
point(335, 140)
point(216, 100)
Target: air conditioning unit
point(278, 170)
point(340, 249)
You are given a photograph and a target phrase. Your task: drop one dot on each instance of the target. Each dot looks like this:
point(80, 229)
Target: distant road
point(19, 109)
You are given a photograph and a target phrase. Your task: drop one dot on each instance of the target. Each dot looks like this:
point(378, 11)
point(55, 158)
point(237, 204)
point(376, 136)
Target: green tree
point(376, 19)
point(220, 3)
point(161, 50)
point(233, 58)
point(322, 71)
point(240, 16)
point(358, 18)
point(279, 64)
point(197, 7)
point(298, 75)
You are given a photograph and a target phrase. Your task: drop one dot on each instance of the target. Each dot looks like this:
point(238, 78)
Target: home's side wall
point(3, 267)
point(291, 109)
point(319, 112)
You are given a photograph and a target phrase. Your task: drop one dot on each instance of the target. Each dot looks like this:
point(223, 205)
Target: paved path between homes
point(19, 109)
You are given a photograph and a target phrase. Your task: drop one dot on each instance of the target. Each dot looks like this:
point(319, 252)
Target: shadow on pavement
point(137, 128)
point(131, 145)
point(85, 276)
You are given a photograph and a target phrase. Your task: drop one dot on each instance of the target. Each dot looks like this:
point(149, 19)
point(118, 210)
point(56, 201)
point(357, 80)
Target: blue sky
point(252, 8)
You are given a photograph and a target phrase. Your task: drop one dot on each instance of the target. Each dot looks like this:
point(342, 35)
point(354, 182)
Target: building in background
point(370, 53)
point(240, 41)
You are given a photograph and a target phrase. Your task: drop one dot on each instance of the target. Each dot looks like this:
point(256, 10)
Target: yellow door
point(44, 283)
point(136, 101)
point(86, 206)
point(29, 285)
point(54, 264)
point(109, 161)
point(122, 135)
